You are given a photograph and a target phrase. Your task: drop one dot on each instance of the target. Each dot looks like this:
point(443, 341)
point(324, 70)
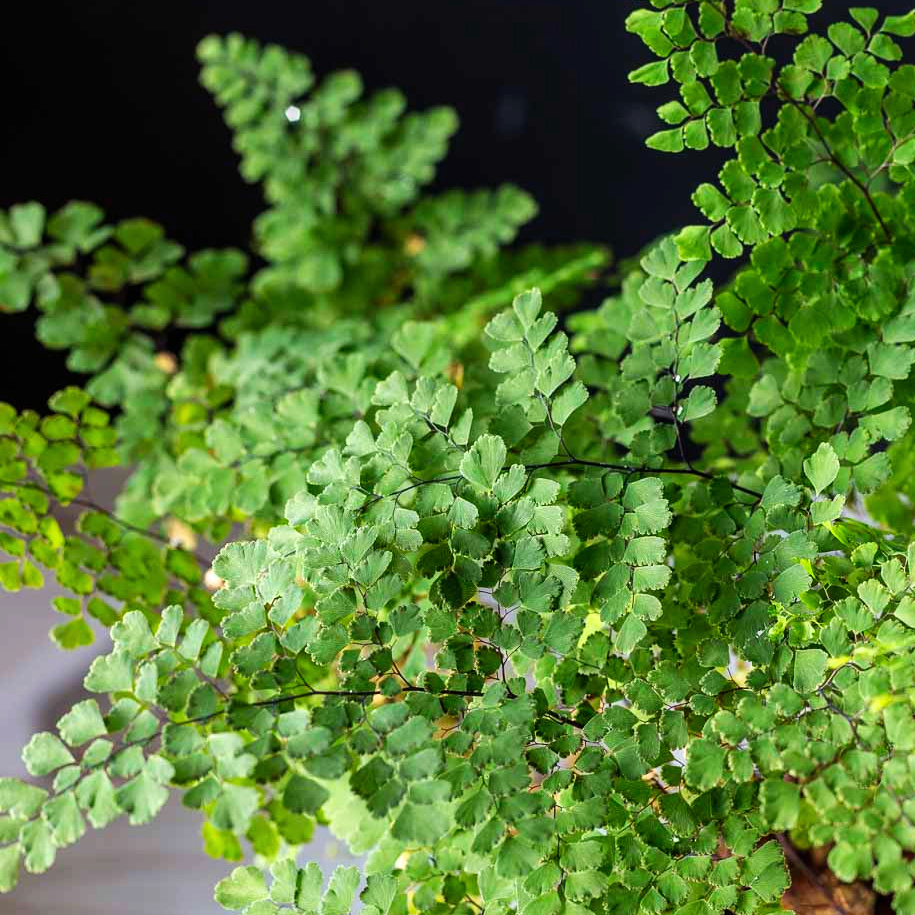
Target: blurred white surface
point(129, 870)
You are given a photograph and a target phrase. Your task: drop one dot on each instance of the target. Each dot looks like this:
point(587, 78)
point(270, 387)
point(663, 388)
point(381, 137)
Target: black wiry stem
point(578, 462)
point(839, 164)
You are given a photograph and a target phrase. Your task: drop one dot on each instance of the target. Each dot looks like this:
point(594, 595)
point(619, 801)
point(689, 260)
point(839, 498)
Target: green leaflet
point(244, 886)
point(245, 889)
point(482, 464)
point(822, 468)
point(45, 753)
point(83, 722)
point(809, 669)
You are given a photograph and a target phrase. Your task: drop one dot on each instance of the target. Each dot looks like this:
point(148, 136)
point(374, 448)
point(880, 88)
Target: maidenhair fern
point(613, 614)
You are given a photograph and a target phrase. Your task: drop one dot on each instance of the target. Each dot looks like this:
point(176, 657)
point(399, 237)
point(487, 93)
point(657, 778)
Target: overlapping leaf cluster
point(343, 175)
point(551, 618)
point(822, 126)
point(269, 373)
point(105, 564)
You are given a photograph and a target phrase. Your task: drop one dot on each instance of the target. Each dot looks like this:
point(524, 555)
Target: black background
point(101, 101)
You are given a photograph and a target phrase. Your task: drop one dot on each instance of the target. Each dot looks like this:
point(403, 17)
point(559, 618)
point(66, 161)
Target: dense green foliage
point(583, 618)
